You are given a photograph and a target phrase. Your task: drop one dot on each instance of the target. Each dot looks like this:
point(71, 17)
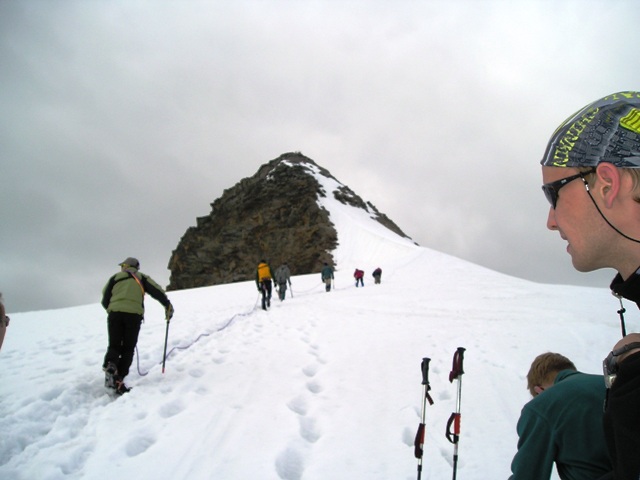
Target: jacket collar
point(629, 288)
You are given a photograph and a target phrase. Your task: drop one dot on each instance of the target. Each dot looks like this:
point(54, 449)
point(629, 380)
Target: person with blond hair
point(591, 178)
point(562, 424)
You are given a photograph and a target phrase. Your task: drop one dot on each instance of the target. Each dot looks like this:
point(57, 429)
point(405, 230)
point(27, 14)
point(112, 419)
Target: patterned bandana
point(607, 130)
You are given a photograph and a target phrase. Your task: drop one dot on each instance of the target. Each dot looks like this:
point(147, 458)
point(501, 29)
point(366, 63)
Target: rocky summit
point(274, 216)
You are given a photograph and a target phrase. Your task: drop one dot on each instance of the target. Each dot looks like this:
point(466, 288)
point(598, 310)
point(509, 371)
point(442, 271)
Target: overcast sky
point(121, 121)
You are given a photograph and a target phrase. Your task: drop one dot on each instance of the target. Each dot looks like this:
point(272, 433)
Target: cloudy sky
point(121, 121)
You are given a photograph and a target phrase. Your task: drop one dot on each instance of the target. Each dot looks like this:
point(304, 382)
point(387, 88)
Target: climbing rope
point(198, 338)
point(223, 327)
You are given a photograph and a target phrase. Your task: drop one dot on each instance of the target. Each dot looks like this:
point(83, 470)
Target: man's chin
point(582, 267)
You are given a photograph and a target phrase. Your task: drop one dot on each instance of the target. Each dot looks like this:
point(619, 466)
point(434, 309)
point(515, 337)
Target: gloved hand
point(168, 312)
point(6, 320)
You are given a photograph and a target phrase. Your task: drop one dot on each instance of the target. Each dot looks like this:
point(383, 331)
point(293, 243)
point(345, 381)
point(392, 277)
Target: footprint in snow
point(171, 409)
point(319, 358)
point(298, 405)
point(308, 430)
point(444, 395)
point(52, 394)
point(201, 390)
point(408, 436)
point(314, 387)
point(310, 370)
point(139, 444)
point(140, 414)
point(290, 464)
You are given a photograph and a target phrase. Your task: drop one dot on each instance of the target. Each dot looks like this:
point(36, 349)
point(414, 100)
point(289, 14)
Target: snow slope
point(322, 386)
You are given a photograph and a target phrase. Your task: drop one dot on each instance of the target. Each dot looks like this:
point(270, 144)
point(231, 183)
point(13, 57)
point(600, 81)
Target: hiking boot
point(120, 387)
point(110, 368)
point(110, 371)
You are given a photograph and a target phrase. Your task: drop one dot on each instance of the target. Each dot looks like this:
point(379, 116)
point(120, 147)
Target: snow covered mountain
point(323, 386)
point(277, 215)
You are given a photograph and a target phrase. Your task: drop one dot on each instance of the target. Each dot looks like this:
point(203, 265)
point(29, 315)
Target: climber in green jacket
point(123, 299)
point(561, 424)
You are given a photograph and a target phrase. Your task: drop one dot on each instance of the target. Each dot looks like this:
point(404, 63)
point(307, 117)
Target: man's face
point(576, 220)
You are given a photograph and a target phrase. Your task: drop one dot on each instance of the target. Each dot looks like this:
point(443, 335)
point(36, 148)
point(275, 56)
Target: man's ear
point(608, 184)
point(538, 389)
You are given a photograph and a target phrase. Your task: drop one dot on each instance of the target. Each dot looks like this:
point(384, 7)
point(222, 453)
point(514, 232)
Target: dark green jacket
point(327, 272)
point(124, 292)
point(563, 425)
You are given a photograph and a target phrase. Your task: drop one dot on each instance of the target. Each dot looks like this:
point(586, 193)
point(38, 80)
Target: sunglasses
point(552, 190)
point(610, 364)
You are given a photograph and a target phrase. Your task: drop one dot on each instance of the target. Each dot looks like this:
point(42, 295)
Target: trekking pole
point(456, 373)
point(166, 338)
point(290, 289)
point(419, 441)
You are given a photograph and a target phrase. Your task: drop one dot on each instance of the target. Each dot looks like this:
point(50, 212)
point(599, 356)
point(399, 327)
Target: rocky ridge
point(273, 215)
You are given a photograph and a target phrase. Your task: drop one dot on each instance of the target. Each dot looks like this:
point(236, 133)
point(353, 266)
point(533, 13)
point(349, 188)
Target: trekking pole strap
point(419, 442)
point(454, 420)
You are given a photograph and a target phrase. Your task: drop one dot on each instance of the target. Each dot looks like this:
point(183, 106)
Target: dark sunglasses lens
point(551, 194)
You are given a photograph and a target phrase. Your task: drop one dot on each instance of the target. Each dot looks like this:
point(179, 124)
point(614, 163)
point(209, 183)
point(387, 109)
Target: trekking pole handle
point(424, 366)
point(457, 369)
point(425, 378)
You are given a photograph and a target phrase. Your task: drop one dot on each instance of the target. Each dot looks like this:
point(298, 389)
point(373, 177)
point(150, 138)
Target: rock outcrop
point(273, 215)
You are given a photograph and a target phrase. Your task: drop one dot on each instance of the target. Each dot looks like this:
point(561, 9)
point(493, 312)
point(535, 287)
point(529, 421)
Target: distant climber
point(263, 281)
point(377, 275)
point(283, 276)
point(327, 276)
